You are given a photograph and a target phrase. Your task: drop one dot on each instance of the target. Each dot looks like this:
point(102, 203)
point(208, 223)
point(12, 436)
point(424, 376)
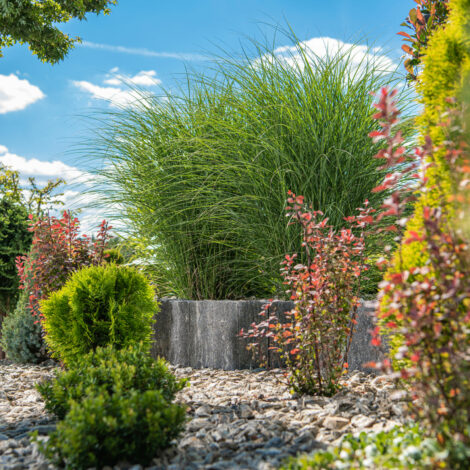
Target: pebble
point(237, 419)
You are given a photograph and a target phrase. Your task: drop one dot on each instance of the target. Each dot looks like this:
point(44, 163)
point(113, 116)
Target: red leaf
point(407, 49)
point(406, 35)
point(376, 342)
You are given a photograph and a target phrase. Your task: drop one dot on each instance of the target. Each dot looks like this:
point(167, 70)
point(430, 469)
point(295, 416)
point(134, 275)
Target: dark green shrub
point(15, 240)
point(22, 336)
point(110, 371)
point(104, 429)
point(99, 305)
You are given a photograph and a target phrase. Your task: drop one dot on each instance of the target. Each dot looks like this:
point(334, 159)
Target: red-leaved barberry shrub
point(422, 21)
point(435, 331)
point(323, 282)
point(58, 249)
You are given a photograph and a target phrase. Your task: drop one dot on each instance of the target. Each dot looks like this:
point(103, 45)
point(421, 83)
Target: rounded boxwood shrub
point(104, 429)
point(22, 335)
point(111, 371)
point(98, 305)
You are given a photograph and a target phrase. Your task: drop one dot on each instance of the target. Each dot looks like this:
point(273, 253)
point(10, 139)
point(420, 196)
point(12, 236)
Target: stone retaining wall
point(204, 333)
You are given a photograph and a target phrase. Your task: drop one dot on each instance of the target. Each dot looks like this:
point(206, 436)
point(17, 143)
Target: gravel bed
point(238, 419)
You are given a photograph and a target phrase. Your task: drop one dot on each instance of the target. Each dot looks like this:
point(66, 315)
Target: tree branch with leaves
point(33, 22)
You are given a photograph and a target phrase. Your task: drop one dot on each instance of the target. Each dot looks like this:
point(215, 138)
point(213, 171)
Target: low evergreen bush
point(110, 371)
point(98, 306)
point(22, 337)
point(104, 429)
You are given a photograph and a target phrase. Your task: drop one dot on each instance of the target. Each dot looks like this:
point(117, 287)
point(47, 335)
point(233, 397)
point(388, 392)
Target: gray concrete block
point(205, 333)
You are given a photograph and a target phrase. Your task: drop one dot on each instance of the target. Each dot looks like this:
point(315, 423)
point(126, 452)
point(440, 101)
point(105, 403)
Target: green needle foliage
point(200, 177)
point(98, 306)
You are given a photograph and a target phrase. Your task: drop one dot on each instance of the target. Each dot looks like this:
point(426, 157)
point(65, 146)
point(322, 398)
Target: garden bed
point(238, 419)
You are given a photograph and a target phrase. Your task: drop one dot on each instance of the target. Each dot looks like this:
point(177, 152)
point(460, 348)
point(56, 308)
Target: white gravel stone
point(237, 419)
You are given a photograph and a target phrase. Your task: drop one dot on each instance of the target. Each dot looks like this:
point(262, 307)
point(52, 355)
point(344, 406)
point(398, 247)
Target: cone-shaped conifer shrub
point(98, 306)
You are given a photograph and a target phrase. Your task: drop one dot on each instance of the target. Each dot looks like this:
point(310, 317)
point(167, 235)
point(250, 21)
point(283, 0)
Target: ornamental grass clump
point(99, 306)
point(200, 176)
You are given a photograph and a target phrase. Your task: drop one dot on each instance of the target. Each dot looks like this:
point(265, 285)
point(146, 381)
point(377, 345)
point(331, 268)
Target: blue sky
point(44, 108)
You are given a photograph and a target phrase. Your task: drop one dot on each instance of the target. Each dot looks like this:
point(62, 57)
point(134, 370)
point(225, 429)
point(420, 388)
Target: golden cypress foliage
point(444, 75)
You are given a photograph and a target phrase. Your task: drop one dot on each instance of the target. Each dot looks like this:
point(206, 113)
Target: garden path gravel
point(238, 419)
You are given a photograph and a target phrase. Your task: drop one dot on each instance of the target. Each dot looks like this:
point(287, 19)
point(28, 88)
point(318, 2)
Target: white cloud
point(74, 195)
point(42, 170)
point(144, 78)
point(115, 96)
point(119, 94)
point(318, 48)
point(144, 52)
point(16, 93)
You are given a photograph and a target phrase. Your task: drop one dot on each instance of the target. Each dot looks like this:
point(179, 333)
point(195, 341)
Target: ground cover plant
point(400, 448)
point(98, 306)
point(200, 177)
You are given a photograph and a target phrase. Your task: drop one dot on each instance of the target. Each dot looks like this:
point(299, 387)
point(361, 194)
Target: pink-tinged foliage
point(429, 305)
point(57, 250)
point(323, 282)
